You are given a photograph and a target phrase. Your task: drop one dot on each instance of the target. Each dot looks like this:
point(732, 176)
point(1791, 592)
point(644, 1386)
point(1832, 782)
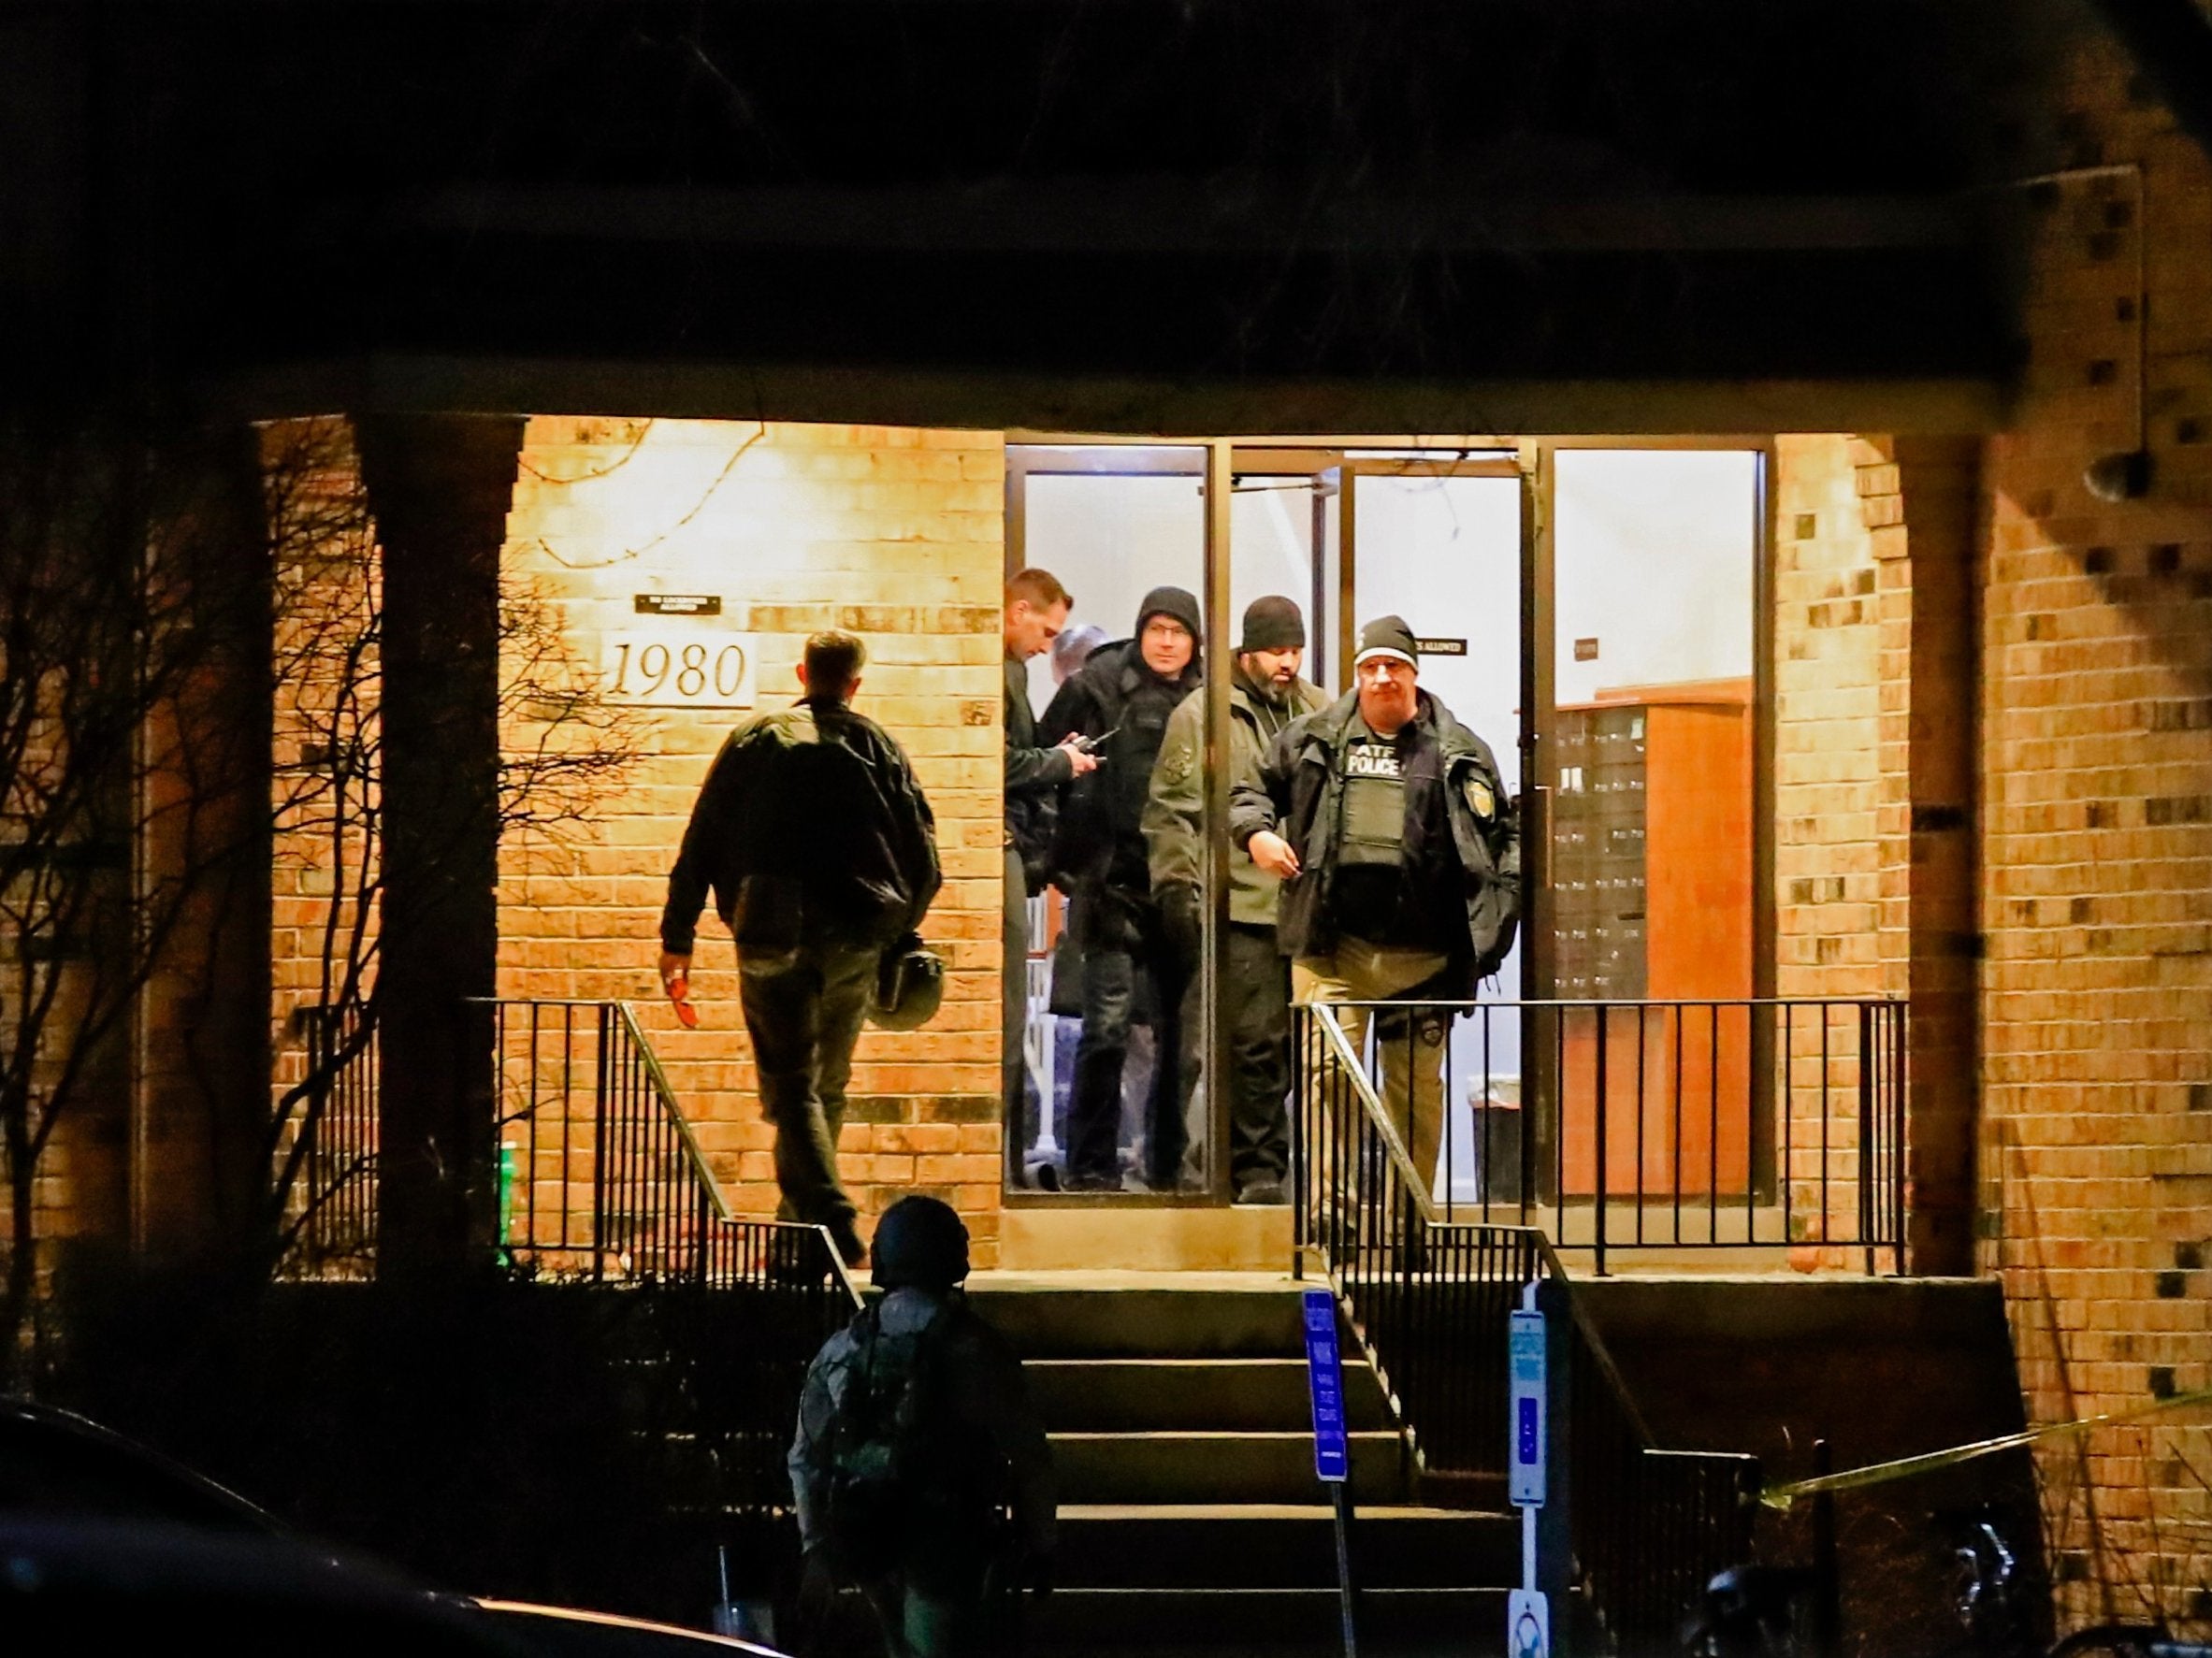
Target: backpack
point(894, 1473)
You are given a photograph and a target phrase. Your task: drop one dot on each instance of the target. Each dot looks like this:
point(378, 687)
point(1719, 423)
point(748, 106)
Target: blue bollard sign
point(1527, 1429)
point(1325, 1376)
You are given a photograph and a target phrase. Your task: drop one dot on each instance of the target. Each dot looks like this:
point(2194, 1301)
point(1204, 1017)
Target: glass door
point(1442, 542)
point(1102, 998)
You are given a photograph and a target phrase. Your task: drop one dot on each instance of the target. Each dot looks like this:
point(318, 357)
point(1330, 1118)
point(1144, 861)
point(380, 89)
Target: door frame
point(1218, 462)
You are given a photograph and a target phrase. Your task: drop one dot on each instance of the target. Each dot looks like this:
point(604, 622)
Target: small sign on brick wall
point(677, 604)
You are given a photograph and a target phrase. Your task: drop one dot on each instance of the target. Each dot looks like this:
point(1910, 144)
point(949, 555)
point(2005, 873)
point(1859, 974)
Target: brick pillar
point(439, 488)
point(1918, 496)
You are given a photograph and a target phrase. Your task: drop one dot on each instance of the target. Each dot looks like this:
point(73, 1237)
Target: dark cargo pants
point(1121, 938)
point(804, 1017)
point(1255, 1004)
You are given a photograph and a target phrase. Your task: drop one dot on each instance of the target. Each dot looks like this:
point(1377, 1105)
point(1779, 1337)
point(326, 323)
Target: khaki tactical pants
point(1412, 1051)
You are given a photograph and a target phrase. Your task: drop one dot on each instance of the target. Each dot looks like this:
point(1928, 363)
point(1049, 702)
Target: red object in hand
point(679, 992)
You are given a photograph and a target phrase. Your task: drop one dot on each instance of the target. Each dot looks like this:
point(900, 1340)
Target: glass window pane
point(1652, 888)
point(1106, 1011)
point(1445, 555)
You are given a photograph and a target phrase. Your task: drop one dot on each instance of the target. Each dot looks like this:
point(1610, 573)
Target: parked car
point(104, 1541)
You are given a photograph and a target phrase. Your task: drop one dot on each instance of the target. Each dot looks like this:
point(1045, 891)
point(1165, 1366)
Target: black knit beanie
point(1388, 636)
point(1272, 623)
point(1169, 602)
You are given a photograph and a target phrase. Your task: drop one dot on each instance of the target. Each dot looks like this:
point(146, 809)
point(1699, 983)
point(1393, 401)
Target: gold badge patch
point(1480, 802)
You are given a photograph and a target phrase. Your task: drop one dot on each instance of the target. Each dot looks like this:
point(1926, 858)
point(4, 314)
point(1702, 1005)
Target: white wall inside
point(1653, 559)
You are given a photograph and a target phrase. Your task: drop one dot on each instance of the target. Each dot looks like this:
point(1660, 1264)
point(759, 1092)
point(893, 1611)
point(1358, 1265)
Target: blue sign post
point(1529, 1613)
point(1324, 1374)
point(1332, 1445)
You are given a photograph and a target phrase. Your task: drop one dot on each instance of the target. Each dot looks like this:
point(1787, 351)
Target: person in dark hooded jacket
point(986, 1444)
point(1123, 698)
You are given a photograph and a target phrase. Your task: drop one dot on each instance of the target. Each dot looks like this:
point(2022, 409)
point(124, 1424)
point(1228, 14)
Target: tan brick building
point(892, 533)
point(1988, 721)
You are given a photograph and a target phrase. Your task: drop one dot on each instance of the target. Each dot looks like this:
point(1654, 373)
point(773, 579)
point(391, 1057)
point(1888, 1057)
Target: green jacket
point(1176, 807)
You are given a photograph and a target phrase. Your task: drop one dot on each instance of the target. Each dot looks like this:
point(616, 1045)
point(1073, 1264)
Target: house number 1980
point(676, 667)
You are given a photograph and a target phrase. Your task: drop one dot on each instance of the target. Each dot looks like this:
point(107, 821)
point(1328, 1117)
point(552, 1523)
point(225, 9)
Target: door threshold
point(1125, 1238)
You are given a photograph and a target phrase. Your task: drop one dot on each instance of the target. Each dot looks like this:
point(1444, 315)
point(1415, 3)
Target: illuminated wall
point(618, 527)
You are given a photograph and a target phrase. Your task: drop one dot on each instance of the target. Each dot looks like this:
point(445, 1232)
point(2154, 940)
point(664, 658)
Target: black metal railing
point(601, 1174)
point(1428, 1295)
point(1648, 1527)
point(324, 1165)
point(602, 1178)
point(1771, 1123)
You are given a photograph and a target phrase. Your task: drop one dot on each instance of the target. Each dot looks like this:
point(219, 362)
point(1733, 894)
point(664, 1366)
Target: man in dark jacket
point(1036, 611)
point(1400, 858)
point(821, 854)
point(1123, 698)
point(1266, 694)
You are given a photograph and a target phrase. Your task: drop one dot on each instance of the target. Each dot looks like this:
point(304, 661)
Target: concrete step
point(1218, 1467)
point(1223, 1622)
point(1140, 1396)
point(1280, 1546)
point(1144, 1315)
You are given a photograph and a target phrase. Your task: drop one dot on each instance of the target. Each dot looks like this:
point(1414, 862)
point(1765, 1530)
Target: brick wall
point(894, 533)
point(2097, 909)
point(1836, 860)
point(326, 690)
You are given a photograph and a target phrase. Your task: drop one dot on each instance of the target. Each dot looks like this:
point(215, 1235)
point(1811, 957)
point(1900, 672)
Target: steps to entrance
point(1170, 1395)
point(1191, 1521)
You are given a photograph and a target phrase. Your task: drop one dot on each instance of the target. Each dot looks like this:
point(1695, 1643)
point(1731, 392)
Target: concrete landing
point(1122, 1236)
point(1127, 1236)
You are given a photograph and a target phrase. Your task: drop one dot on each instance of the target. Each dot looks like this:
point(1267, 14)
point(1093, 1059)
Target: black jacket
point(1296, 795)
point(1034, 777)
point(1101, 833)
point(810, 830)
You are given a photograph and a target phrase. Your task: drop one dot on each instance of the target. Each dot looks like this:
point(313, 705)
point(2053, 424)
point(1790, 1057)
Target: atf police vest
point(1372, 834)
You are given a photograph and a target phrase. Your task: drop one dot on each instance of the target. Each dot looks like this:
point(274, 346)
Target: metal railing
point(602, 1180)
point(1427, 1294)
point(324, 1166)
point(1759, 1123)
point(602, 1175)
point(1648, 1527)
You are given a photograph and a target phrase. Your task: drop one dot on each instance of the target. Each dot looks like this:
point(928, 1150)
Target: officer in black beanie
point(1123, 698)
point(1400, 858)
point(1266, 694)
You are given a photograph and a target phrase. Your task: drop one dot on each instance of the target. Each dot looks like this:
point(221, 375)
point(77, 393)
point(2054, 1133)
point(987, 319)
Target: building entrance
point(1590, 612)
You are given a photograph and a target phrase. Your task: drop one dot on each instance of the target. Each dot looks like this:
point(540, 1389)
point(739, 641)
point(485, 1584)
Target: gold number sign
point(676, 666)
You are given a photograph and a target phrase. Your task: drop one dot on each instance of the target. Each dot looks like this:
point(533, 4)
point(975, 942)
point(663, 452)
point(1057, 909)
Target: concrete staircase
point(1191, 1521)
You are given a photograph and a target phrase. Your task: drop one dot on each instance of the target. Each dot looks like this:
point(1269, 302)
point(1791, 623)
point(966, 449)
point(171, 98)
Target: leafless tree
point(566, 750)
point(152, 592)
point(126, 617)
